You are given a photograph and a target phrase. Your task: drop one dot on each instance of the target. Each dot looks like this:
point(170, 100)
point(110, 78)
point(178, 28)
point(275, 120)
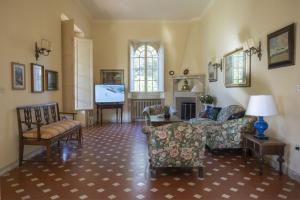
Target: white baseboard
point(285, 169)
point(15, 164)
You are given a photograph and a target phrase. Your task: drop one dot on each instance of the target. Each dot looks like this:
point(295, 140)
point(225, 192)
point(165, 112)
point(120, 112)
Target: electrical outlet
point(297, 147)
point(298, 88)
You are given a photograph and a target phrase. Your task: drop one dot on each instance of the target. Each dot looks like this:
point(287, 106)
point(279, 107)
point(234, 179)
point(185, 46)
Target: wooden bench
point(42, 125)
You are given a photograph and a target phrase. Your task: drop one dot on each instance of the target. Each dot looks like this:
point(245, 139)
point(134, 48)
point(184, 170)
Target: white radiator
point(138, 105)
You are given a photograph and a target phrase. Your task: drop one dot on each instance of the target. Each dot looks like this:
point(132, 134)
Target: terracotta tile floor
point(112, 164)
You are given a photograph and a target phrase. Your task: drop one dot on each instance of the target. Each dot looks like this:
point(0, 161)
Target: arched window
point(146, 74)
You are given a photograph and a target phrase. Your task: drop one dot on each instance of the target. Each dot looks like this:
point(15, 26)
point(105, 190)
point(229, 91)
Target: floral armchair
point(176, 145)
point(226, 133)
point(155, 110)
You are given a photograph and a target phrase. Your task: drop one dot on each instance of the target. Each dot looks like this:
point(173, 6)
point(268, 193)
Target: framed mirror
point(212, 72)
point(37, 78)
point(237, 69)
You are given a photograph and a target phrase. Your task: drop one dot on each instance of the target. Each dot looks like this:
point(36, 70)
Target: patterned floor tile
point(113, 164)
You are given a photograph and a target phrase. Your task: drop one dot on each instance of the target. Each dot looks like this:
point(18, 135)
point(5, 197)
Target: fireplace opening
point(188, 110)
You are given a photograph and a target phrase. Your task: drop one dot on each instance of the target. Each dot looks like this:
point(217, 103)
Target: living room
point(191, 37)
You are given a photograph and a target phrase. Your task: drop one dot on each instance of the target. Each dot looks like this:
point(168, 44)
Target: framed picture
point(281, 47)
point(37, 78)
point(18, 76)
point(212, 72)
point(237, 69)
point(113, 76)
point(51, 80)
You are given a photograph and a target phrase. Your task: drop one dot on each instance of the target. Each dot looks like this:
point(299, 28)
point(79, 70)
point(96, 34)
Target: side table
point(263, 147)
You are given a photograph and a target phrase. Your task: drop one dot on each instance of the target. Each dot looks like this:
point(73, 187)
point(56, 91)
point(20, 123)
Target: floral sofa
point(224, 132)
point(176, 145)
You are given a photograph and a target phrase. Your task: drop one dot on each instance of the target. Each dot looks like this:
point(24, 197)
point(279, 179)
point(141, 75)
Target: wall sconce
point(44, 49)
point(250, 49)
point(217, 63)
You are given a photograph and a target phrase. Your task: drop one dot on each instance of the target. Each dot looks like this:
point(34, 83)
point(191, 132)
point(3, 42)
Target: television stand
point(102, 106)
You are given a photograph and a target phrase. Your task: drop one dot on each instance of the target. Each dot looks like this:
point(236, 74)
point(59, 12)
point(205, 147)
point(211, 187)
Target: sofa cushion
point(237, 115)
point(213, 113)
point(51, 130)
point(227, 111)
point(202, 121)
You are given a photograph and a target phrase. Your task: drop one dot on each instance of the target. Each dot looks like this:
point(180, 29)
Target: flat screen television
point(105, 93)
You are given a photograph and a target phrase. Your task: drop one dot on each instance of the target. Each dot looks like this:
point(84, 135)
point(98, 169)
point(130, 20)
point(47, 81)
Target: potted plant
point(207, 101)
point(167, 112)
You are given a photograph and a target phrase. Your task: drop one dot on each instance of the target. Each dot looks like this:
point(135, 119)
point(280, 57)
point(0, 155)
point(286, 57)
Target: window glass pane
point(136, 86)
point(142, 86)
point(151, 52)
point(140, 52)
point(149, 86)
point(155, 85)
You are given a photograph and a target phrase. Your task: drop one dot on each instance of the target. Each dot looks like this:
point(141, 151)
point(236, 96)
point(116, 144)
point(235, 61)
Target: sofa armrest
point(243, 125)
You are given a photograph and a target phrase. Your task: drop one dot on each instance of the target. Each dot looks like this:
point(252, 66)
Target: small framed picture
point(51, 80)
point(37, 78)
point(18, 76)
point(112, 76)
point(281, 47)
point(212, 72)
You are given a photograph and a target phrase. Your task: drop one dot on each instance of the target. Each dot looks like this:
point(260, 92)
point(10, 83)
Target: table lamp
point(261, 106)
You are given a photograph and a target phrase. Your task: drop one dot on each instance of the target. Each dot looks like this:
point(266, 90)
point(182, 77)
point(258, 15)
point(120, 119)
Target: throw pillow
point(237, 115)
point(204, 114)
point(213, 113)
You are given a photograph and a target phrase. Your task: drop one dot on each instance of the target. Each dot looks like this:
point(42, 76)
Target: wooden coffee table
point(157, 120)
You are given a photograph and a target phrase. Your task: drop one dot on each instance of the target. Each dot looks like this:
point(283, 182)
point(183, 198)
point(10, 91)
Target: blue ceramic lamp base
point(260, 126)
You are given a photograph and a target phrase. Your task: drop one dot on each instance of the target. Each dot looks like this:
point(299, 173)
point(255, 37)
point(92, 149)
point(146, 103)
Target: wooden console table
point(264, 147)
point(102, 106)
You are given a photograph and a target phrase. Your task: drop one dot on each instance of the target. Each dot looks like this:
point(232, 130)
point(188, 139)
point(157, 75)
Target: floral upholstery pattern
point(52, 130)
point(224, 133)
point(153, 110)
point(227, 111)
point(176, 145)
point(228, 134)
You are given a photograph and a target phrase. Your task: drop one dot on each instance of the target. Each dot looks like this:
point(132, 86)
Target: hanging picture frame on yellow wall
point(237, 69)
point(18, 76)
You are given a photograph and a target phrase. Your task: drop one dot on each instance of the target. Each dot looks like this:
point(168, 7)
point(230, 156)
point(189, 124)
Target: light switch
point(298, 88)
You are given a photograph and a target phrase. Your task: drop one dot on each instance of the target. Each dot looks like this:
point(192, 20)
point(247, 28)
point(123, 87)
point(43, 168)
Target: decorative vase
point(167, 115)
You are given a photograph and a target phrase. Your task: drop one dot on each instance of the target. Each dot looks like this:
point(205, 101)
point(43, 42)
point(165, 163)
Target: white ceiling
point(146, 9)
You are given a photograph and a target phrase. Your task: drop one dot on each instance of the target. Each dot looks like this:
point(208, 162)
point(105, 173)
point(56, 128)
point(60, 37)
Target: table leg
point(97, 114)
point(121, 114)
point(280, 160)
point(261, 164)
point(101, 114)
point(117, 114)
point(245, 151)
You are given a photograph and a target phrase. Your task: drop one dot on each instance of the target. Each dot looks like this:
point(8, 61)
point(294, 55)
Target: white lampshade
point(261, 105)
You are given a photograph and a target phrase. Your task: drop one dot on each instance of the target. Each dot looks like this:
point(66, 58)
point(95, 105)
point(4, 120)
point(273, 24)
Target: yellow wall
point(111, 48)
point(22, 23)
point(222, 30)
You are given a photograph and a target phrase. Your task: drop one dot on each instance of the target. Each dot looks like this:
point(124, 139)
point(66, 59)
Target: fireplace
point(188, 110)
